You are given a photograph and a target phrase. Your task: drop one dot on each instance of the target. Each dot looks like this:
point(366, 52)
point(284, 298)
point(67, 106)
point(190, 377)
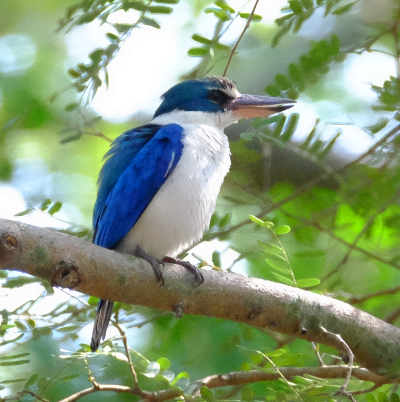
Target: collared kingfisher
point(159, 184)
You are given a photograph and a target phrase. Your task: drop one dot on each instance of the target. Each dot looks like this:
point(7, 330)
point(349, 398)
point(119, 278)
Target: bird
point(159, 183)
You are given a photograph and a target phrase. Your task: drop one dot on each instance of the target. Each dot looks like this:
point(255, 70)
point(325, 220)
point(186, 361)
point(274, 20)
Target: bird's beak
point(258, 106)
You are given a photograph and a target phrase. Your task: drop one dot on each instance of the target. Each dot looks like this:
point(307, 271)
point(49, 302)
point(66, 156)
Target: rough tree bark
point(76, 264)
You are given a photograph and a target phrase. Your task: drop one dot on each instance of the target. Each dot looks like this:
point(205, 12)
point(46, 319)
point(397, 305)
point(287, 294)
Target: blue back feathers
point(196, 95)
point(138, 164)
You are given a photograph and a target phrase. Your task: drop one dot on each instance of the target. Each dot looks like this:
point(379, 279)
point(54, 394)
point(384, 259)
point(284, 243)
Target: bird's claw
point(190, 267)
point(154, 262)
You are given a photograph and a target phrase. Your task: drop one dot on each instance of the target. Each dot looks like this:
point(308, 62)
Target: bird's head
point(219, 96)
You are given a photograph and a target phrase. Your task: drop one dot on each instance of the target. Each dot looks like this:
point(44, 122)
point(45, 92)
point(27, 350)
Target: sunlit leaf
point(255, 17)
point(206, 393)
point(307, 283)
point(164, 363)
point(198, 51)
point(281, 230)
point(283, 279)
point(55, 208)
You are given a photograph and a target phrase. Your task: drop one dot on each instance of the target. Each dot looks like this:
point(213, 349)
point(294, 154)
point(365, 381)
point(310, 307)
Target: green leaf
point(10, 357)
point(220, 14)
point(166, 1)
point(20, 326)
point(272, 90)
point(246, 16)
point(180, 376)
point(394, 398)
point(279, 268)
point(13, 381)
point(226, 7)
point(370, 398)
point(31, 380)
point(11, 340)
point(45, 204)
point(307, 4)
point(4, 327)
point(280, 396)
point(216, 258)
point(283, 82)
point(330, 145)
point(206, 393)
point(19, 281)
point(275, 353)
point(378, 126)
point(283, 279)
point(201, 39)
point(55, 208)
point(92, 301)
point(290, 127)
point(270, 246)
point(69, 328)
point(113, 38)
point(295, 72)
point(382, 397)
point(281, 230)
point(26, 212)
point(344, 9)
point(160, 10)
point(290, 360)
point(73, 73)
point(247, 394)
point(225, 220)
point(71, 106)
point(198, 51)
point(164, 363)
point(96, 55)
point(256, 220)
point(296, 6)
point(280, 21)
point(14, 363)
point(308, 283)
point(69, 377)
point(150, 22)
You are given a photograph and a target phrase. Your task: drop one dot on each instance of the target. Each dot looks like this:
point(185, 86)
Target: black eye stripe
point(217, 96)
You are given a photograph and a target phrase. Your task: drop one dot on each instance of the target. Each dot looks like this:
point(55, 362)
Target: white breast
point(181, 210)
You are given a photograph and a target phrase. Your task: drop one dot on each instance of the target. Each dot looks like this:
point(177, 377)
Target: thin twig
point(384, 292)
point(316, 350)
point(19, 395)
point(128, 356)
point(240, 37)
point(365, 391)
point(350, 355)
point(393, 316)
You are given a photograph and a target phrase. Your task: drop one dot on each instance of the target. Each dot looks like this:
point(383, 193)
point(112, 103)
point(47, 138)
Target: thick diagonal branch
point(71, 262)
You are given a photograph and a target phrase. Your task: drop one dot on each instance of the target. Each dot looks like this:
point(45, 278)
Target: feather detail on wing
point(138, 181)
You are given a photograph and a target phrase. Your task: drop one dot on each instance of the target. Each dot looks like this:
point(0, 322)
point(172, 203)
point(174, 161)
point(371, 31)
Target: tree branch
point(239, 378)
point(71, 262)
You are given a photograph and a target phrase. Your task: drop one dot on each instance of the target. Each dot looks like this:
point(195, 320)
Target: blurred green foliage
point(335, 231)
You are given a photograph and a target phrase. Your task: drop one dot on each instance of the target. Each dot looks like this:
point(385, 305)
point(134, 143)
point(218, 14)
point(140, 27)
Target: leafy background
point(312, 199)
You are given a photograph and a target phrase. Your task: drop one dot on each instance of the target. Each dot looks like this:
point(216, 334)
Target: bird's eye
point(217, 96)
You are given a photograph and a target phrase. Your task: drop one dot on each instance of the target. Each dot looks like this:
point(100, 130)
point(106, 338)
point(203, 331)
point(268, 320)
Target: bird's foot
point(154, 262)
point(194, 270)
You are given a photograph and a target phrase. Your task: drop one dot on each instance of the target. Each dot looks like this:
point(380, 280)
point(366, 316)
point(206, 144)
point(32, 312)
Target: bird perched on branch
point(159, 184)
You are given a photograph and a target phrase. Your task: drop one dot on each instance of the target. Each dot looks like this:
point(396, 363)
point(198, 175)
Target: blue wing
point(138, 164)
